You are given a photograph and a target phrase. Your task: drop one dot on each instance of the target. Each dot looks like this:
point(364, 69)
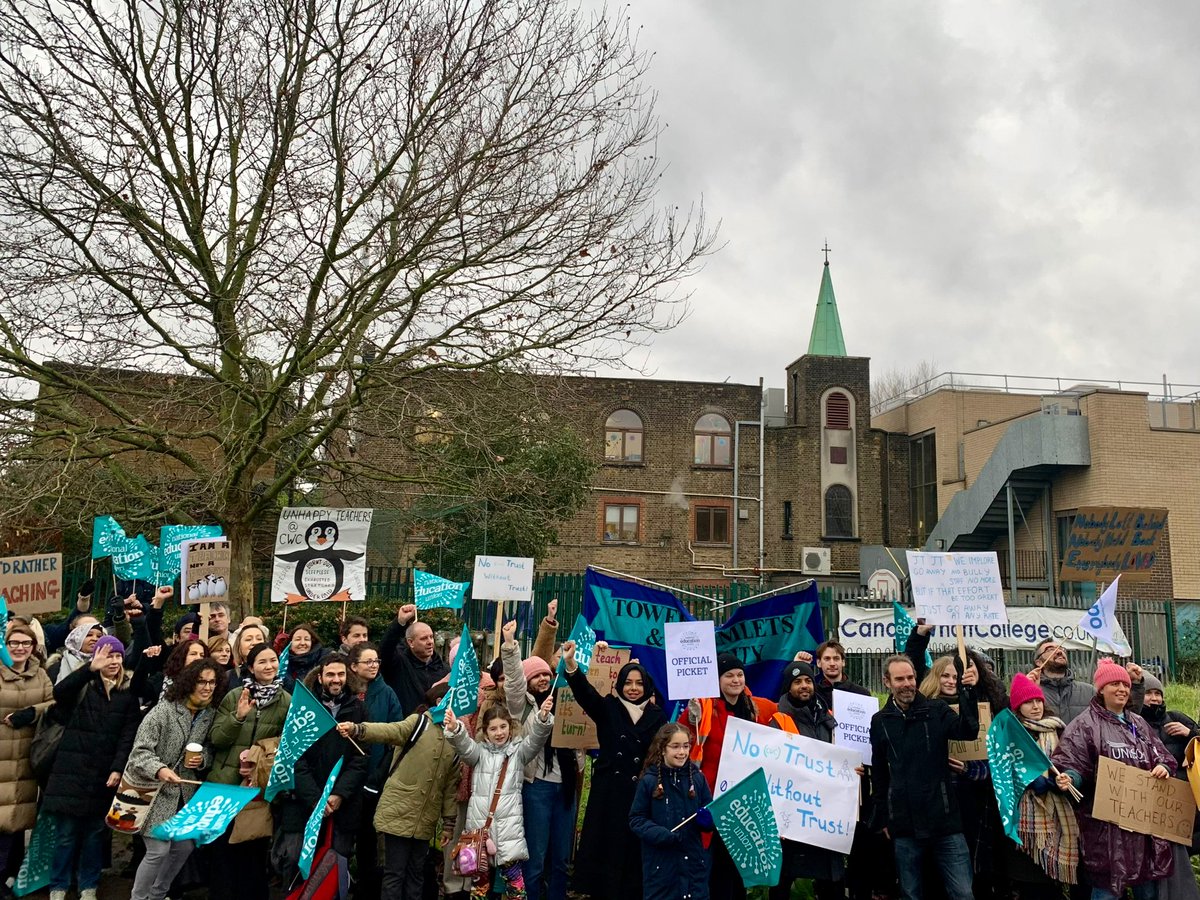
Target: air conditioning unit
point(816, 561)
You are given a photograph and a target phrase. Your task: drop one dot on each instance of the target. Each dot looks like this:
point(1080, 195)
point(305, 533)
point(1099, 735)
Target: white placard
point(320, 555)
point(507, 578)
point(853, 713)
point(814, 788)
point(691, 660)
point(957, 588)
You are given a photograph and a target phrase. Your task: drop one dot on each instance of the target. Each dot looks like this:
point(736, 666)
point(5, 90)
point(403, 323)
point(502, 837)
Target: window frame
point(922, 486)
point(622, 503)
point(710, 436)
point(826, 509)
point(709, 507)
point(624, 433)
point(843, 398)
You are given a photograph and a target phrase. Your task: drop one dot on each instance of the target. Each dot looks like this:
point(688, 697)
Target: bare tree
point(276, 206)
point(894, 383)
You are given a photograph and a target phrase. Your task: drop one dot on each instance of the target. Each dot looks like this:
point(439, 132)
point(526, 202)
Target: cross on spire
point(825, 249)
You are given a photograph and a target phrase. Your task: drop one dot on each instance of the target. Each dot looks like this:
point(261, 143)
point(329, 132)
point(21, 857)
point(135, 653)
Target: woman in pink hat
point(1114, 859)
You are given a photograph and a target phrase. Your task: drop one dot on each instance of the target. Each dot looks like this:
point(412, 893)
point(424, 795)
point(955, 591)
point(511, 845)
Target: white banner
point(853, 714)
point(956, 588)
point(863, 630)
point(691, 659)
point(320, 555)
point(813, 785)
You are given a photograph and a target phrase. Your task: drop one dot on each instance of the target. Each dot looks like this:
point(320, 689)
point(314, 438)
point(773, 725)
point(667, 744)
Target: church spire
point(826, 338)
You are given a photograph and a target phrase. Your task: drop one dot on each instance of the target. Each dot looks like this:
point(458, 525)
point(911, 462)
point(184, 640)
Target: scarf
point(263, 694)
point(1047, 825)
point(635, 710)
point(1155, 715)
point(72, 655)
point(167, 682)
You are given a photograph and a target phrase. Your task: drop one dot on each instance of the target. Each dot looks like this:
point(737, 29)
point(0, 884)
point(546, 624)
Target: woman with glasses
point(382, 706)
point(184, 716)
point(25, 692)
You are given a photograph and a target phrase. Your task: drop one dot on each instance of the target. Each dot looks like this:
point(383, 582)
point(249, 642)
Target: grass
point(1184, 698)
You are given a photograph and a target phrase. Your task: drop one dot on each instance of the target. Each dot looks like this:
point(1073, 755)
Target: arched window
point(837, 411)
point(839, 511)
point(712, 441)
point(623, 437)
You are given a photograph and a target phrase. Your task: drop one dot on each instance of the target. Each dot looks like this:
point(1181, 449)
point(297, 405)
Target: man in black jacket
point(916, 803)
point(411, 667)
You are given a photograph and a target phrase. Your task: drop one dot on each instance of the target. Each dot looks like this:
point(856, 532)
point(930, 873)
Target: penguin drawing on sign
point(319, 567)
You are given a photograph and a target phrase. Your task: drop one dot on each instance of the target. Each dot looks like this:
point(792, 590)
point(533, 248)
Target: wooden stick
point(1072, 790)
point(356, 747)
point(285, 609)
point(499, 625)
point(684, 822)
point(962, 645)
point(189, 781)
point(204, 612)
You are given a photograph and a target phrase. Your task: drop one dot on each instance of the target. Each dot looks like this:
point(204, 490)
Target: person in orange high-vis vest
point(707, 719)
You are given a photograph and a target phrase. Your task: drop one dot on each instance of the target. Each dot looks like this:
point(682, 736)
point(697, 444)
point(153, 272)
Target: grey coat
point(1069, 698)
point(508, 829)
point(166, 730)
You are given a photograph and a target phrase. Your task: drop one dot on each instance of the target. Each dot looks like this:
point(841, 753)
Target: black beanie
point(792, 672)
point(727, 662)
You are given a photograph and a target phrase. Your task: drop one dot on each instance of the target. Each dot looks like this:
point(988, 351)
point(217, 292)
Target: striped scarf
point(1047, 825)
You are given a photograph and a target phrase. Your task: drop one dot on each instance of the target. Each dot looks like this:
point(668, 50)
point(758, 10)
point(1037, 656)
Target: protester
point(218, 620)
point(55, 633)
point(917, 803)
point(413, 668)
point(672, 791)
point(100, 716)
point(626, 722)
point(354, 630)
point(1048, 856)
point(221, 652)
point(184, 716)
point(418, 794)
point(1066, 695)
point(243, 641)
point(545, 643)
point(1114, 859)
point(254, 712)
point(498, 759)
point(153, 676)
point(304, 652)
point(77, 650)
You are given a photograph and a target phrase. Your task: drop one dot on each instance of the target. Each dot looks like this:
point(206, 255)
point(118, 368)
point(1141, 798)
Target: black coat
point(615, 774)
point(404, 673)
point(100, 728)
point(675, 865)
point(1158, 718)
point(914, 788)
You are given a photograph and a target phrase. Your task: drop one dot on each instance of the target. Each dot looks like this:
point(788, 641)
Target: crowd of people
point(94, 706)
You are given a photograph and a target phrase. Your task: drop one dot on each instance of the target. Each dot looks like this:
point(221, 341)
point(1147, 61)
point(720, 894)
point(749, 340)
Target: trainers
point(58, 895)
point(87, 894)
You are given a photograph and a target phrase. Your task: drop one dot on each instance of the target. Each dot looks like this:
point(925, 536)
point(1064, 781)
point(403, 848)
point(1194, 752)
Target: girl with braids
point(672, 790)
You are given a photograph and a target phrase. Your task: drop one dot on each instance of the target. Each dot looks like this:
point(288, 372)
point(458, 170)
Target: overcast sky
point(1006, 187)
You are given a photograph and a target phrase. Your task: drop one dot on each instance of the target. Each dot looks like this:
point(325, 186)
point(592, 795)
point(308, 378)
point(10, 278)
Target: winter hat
point(452, 652)
point(252, 655)
point(1023, 690)
point(792, 672)
point(111, 643)
point(1107, 672)
point(1151, 683)
point(534, 666)
point(192, 619)
point(727, 662)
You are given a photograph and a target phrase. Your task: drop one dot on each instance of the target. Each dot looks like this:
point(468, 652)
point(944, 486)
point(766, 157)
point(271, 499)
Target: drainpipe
point(762, 477)
point(1012, 546)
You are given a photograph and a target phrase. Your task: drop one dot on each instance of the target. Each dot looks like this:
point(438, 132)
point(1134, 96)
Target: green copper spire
point(826, 338)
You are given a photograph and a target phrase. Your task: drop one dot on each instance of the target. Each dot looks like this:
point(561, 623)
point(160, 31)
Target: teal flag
point(1016, 760)
point(432, 592)
point(307, 720)
point(107, 537)
point(585, 645)
point(170, 541)
point(904, 626)
point(137, 559)
point(205, 817)
point(5, 656)
point(39, 857)
point(283, 660)
point(746, 822)
point(312, 829)
point(463, 696)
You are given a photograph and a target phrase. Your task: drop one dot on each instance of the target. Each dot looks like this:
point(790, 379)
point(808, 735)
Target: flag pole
point(685, 821)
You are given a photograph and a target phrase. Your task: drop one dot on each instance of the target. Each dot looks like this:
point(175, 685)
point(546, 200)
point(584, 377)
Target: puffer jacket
point(1115, 859)
point(675, 865)
point(508, 828)
point(421, 791)
point(1070, 698)
point(166, 730)
point(230, 737)
point(18, 786)
point(1159, 717)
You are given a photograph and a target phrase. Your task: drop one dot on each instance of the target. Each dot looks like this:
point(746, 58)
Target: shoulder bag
point(472, 849)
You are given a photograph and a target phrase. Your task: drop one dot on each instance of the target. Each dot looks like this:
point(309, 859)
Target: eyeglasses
point(19, 645)
point(368, 662)
point(206, 683)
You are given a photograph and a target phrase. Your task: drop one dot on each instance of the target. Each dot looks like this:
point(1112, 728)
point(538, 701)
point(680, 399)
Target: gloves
point(23, 718)
point(704, 819)
point(116, 610)
point(1041, 784)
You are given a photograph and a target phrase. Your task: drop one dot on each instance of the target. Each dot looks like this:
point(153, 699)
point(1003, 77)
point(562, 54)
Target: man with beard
point(1066, 696)
point(916, 802)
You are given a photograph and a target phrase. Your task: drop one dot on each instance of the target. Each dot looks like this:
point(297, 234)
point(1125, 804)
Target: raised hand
point(450, 723)
point(568, 655)
point(509, 631)
point(547, 708)
point(345, 729)
point(101, 658)
point(803, 656)
point(244, 704)
point(406, 613)
point(552, 610)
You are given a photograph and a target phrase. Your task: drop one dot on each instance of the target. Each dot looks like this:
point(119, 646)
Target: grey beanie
point(1151, 683)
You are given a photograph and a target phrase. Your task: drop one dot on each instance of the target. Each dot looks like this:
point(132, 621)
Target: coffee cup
point(193, 756)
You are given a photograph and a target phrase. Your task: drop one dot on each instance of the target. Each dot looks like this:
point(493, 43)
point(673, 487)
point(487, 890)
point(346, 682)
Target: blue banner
point(107, 537)
point(39, 856)
point(629, 614)
point(5, 656)
point(904, 625)
point(463, 696)
point(432, 592)
point(170, 540)
point(766, 635)
point(312, 828)
point(205, 817)
point(137, 560)
point(307, 720)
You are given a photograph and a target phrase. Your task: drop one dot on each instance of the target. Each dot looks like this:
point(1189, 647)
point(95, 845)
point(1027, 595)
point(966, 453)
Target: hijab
point(635, 710)
point(73, 656)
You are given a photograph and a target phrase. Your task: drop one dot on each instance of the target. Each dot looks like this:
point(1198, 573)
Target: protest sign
point(766, 634)
point(320, 555)
point(1015, 759)
point(853, 714)
point(205, 817)
point(312, 828)
point(32, 584)
point(463, 696)
point(1137, 801)
point(205, 567)
point(691, 660)
point(1107, 541)
point(813, 785)
point(432, 592)
point(307, 720)
point(967, 751)
point(744, 819)
point(507, 578)
point(957, 588)
point(39, 856)
point(170, 542)
point(573, 729)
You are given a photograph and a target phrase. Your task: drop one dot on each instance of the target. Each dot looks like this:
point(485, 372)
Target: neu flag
point(136, 560)
point(107, 537)
point(585, 646)
point(904, 624)
point(312, 828)
point(432, 592)
point(1016, 760)
point(39, 857)
point(463, 696)
point(307, 720)
point(1100, 621)
point(5, 656)
point(766, 635)
point(171, 538)
point(631, 615)
point(746, 822)
point(205, 817)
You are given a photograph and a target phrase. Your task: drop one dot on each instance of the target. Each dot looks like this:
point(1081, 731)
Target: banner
point(505, 578)
point(432, 592)
point(1016, 760)
point(904, 625)
point(32, 584)
point(1137, 801)
point(585, 646)
point(691, 660)
point(1106, 541)
point(766, 634)
point(107, 537)
point(853, 712)
point(307, 720)
point(863, 630)
point(622, 612)
point(312, 828)
point(5, 656)
point(970, 751)
point(137, 560)
point(205, 817)
point(463, 696)
point(1100, 621)
point(39, 856)
point(205, 567)
point(320, 555)
point(956, 588)
point(572, 727)
point(170, 540)
point(813, 785)
point(746, 823)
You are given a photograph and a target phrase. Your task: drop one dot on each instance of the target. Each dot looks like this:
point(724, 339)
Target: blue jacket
point(675, 865)
point(382, 706)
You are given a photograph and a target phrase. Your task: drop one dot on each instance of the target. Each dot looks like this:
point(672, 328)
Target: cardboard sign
point(853, 713)
point(508, 578)
point(572, 727)
point(205, 570)
point(32, 584)
point(1133, 799)
point(1107, 541)
point(691, 660)
point(957, 588)
point(969, 751)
